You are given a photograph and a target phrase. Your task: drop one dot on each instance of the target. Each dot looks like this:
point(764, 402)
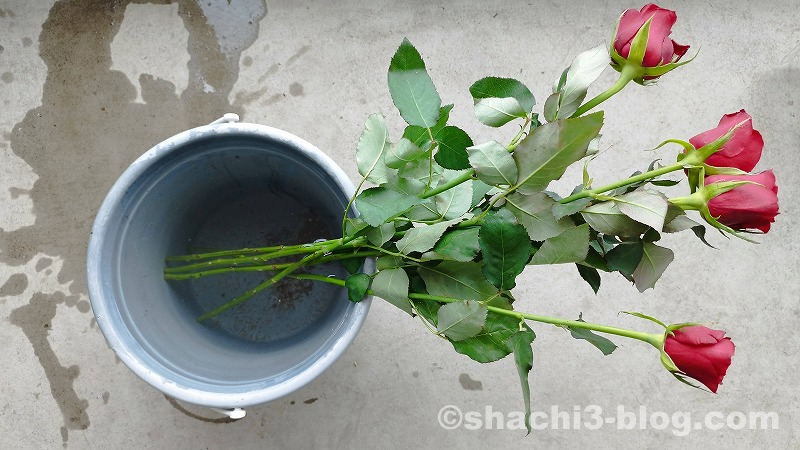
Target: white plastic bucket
point(217, 184)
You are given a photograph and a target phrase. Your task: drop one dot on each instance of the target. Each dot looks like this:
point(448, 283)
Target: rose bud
point(749, 206)
point(742, 150)
point(660, 48)
point(701, 353)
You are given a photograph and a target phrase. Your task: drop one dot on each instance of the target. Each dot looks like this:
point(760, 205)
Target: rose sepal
point(655, 72)
point(666, 360)
point(712, 170)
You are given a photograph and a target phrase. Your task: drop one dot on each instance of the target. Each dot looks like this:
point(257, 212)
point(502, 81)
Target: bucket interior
point(219, 192)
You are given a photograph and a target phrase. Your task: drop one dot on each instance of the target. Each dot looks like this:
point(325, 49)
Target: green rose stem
point(627, 181)
point(330, 247)
point(656, 340)
point(466, 176)
point(238, 252)
point(629, 72)
point(515, 142)
point(266, 267)
point(253, 256)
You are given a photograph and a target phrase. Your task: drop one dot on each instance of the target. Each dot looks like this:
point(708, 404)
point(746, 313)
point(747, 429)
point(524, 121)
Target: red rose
point(743, 149)
point(701, 353)
point(660, 48)
point(749, 206)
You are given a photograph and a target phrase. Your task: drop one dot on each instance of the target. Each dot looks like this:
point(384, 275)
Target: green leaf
point(404, 182)
point(495, 87)
point(520, 343)
point(568, 209)
point(479, 190)
point(411, 87)
point(590, 275)
point(644, 206)
point(490, 344)
point(584, 70)
point(608, 219)
point(357, 285)
point(453, 143)
point(496, 112)
point(423, 170)
point(381, 234)
point(546, 153)
point(700, 232)
point(625, 257)
point(456, 201)
point(602, 344)
point(679, 223)
point(535, 213)
point(651, 235)
point(498, 101)
point(372, 146)
point(457, 280)
point(493, 163)
point(569, 246)
point(420, 136)
point(425, 211)
point(352, 265)
point(594, 259)
point(459, 245)
point(551, 105)
point(353, 226)
point(401, 153)
point(392, 286)
point(389, 262)
point(461, 320)
point(506, 248)
point(377, 205)
point(654, 262)
point(429, 310)
point(423, 238)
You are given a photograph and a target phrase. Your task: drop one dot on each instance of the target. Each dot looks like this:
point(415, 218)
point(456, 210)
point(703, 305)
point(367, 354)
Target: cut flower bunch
point(451, 223)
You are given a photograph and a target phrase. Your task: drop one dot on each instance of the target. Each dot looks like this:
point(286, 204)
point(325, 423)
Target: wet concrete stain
point(27, 42)
point(296, 89)
point(180, 408)
point(16, 192)
point(106, 396)
point(293, 59)
point(272, 70)
point(469, 384)
point(15, 285)
point(36, 321)
point(245, 98)
point(86, 131)
point(88, 128)
point(7, 77)
point(43, 263)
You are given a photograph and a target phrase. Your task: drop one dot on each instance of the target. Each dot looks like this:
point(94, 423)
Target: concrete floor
point(89, 85)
